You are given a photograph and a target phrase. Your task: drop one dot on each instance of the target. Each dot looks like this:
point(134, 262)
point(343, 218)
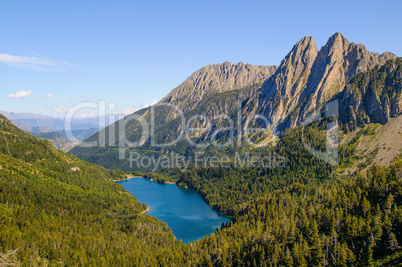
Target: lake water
point(186, 213)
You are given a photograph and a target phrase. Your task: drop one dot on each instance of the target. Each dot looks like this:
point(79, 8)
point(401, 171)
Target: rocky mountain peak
point(227, 65)
point(337, 62)
point(216, 78)
point(307, 77)
point(287, 78)
point(337, 42)
point(304, 50)
point(280, 94)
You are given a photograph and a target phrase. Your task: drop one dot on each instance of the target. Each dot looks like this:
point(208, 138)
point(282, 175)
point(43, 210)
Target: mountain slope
point(282, 92)
point(217, 78)
point(337, 62)
point(375, 96)
point(58, 217)
point(57, 140)
point(343, 221)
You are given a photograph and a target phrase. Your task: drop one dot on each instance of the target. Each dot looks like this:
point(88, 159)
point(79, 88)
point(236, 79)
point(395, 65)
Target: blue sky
point(55, 54)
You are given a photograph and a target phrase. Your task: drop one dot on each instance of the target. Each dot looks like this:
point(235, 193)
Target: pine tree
point(366, 256)
point(392, 242)
point(316, 253)
point(342, 255)
point(388, 204)
point(288, 259)
point(366, 207)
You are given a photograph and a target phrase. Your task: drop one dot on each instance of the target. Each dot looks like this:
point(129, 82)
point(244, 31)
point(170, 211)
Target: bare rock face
point(214, 79)
point(291, 76)
point(280, 94)
point(337, 62)
point(308, 78)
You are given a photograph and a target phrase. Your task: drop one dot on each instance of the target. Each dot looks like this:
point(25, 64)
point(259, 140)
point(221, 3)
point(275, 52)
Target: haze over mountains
point(306, 80)
point(42, 123)
point(53, 129)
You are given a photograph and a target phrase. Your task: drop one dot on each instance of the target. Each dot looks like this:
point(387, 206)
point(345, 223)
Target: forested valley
point(52, 215)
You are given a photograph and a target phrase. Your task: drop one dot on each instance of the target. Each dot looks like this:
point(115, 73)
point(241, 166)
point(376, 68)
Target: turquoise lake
point(184, 210)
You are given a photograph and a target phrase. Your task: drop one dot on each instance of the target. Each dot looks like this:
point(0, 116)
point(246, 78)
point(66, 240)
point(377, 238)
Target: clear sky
point(55, 54)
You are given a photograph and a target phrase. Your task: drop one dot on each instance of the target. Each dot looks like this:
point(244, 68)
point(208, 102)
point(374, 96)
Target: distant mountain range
point(41, 123)
point(53, 129)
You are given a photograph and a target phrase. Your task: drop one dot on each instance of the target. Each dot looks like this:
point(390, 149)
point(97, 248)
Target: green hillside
point(307, 215)
point(70, 218)
point(57, 140)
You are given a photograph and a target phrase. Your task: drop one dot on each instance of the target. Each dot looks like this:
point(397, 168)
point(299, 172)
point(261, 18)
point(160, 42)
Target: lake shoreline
point(184, 211)
point(185, 187)
point(131, 177)
point(145, 211)
point(136, 177)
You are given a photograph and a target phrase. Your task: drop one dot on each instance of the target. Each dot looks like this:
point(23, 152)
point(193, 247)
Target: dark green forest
point(311, 218)
point(58, 217)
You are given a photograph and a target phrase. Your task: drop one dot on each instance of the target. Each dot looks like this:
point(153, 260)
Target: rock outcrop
point(374, 96)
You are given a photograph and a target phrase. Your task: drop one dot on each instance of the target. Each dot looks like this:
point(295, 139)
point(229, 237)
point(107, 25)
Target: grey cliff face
point(308, 78)
point(337, 62)
point(281, 93)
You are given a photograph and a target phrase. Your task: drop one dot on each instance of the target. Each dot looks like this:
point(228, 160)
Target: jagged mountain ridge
point(194, 92)
point(306, 79)
point(216, 78)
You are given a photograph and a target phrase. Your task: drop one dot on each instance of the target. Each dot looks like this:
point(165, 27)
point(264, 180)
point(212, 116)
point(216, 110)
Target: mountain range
point(241, 94)
point(53, 129)
point(42, 123)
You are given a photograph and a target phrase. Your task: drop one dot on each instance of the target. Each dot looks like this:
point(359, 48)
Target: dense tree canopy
point(306, 214)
